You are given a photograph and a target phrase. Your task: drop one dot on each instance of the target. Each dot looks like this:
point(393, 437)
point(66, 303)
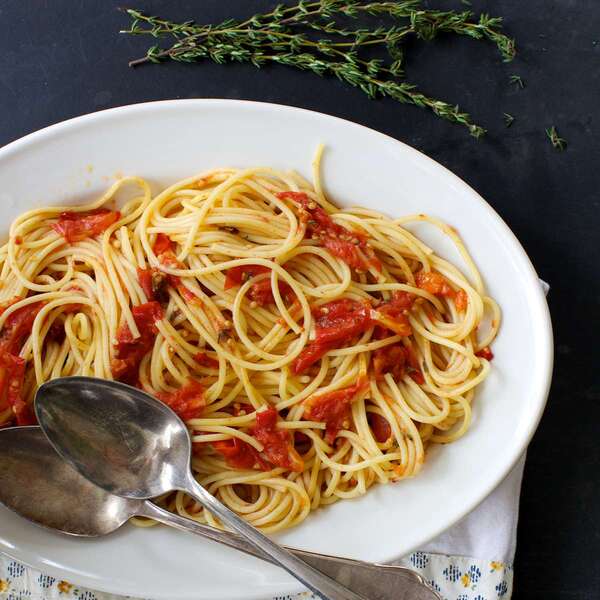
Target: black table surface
point(63, 58)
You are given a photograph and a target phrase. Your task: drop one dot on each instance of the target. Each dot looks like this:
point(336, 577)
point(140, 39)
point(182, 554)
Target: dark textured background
point(63, 58)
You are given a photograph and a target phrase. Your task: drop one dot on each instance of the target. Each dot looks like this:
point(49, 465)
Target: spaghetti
point(312, 351)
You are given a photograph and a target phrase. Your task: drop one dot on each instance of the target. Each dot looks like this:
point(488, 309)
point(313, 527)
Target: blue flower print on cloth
point(453, 577)
point(452, 573)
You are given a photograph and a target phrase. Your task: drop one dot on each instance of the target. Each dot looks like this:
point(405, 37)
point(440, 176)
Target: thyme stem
point(292, 36)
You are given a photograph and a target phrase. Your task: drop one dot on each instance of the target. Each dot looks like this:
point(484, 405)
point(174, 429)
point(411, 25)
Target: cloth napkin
point(473, 560)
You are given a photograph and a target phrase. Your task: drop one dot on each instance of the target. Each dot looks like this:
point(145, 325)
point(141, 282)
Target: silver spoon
point(131, 444)
point(30, 469)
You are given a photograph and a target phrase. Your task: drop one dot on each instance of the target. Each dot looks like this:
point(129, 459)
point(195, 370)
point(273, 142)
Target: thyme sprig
point(508, 119)
point(315, 36)
point(555, 139)
point(517, 80)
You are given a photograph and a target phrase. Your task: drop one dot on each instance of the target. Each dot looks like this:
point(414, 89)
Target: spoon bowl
point(119, 437)
point(38, 485)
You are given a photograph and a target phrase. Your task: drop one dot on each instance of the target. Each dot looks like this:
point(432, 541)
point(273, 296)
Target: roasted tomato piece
point(154, 283)
point(164, 250)
point(414, 369)
point(434, 283)
point(380, 427)
point(485, 353)
point(206, 361)
point(240, 455)
point(239, 275)
point(350, 246)
point(393, 313)
point(77, 226)
point(18, 324)
point(334, 408)
point(277, 443)
point(260, 292)
point(461, 300)
point(129, 351)
point(336, 323)
point(162, 244)
point(12, 374)
point(188, 402)
point(390, 359)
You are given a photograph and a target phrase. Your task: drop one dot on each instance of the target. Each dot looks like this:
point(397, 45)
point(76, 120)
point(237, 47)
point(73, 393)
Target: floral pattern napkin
point(454, 577)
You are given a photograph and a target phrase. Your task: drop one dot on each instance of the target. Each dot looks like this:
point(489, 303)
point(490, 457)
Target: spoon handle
point(322, 585)
point(373, 581)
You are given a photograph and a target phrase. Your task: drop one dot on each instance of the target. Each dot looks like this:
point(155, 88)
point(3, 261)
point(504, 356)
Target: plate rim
point(535, 297)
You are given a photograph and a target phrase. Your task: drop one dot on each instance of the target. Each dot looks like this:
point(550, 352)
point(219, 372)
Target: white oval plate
point(166, 141)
